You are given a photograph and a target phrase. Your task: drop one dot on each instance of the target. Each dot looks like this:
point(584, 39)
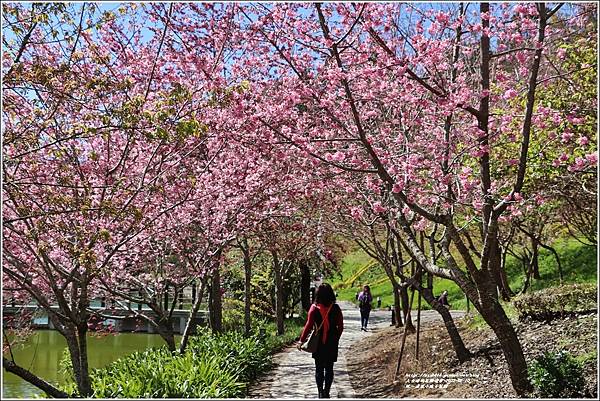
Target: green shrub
point(214, 366)
point(157, 373)
point(233, 316)
point(555, 302)
point(557, 375)
point(65, 368)
point(293, 328)
point(247, 356)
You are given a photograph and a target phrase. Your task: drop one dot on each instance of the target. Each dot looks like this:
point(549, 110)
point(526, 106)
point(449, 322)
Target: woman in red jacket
point(327, 311)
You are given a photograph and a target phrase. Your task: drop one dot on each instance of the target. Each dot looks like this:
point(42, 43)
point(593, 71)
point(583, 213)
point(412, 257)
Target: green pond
point(42, 352)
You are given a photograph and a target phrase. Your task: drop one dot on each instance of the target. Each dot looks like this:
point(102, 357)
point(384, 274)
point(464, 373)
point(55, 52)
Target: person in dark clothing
point(327, 311)
point(443, 299)
point(364, 304)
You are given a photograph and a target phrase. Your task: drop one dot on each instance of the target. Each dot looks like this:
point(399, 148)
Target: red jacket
point(336, 318)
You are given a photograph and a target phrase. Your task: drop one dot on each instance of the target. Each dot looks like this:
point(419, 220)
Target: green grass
point(475, 321)
point(578, 262)
point(579, 265)
point(587, 357)
point(293, 328)
point(357, 259)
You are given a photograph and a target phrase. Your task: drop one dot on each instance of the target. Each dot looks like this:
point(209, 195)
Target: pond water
point(42, 352)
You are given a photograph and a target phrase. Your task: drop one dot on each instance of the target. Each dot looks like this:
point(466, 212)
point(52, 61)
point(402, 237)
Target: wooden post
point(418, 324)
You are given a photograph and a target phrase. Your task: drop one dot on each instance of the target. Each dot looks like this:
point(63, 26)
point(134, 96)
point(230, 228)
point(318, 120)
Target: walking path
point(292, 376)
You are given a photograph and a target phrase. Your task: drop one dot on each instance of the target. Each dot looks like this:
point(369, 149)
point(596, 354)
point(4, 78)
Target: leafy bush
point(557, 375)
point(554, 302)
point(247, 356)
point(157, 373)
point(65, 368)
point(293, 328)
point(214, 366)
point(233, 315)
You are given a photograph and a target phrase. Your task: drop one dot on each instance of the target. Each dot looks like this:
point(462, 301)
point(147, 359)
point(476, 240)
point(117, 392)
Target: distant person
point(443, 299)
point(327, 311)
point(357, 294)
point(378, 302)
point(364, 304)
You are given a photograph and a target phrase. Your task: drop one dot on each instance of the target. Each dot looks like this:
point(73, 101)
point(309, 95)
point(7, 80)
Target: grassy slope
point(579, 265)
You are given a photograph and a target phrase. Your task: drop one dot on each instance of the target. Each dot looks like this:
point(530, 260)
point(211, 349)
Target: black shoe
point(325, 394)
point(321, 394)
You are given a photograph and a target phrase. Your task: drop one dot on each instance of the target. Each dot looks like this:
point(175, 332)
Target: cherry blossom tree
point(106, 156)
point(422, 99)
point(171, 130)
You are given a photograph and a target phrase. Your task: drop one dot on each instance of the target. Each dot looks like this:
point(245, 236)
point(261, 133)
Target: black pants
point(324, 373)
point(364, 317)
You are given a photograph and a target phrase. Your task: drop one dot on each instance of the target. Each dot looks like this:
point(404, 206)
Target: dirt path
point(293, 373)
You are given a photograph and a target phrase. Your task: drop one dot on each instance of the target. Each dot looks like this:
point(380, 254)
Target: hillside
point(373, 360)
point(579, 263)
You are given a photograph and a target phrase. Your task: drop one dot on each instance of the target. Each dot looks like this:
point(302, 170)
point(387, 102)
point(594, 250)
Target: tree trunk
point(499, 273)
point(559, 267)
point(493, 314)
point(74, 350)
point(247, 287)
point(305, 285)
point(396, 288)
point(527, 270)
point(80, 373)
point(535, 265)
point(462, 353)
point(166, 298)
point(408, 325)
point(397, 306)
point(165, 330)
point(190, 323)
point(278, 293)
point(29, 377)
point(86, 384)
point(216, 305)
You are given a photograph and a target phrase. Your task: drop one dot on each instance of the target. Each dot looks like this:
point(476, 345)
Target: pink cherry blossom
point(397, 188)
point(510, 94)
point(378, 207)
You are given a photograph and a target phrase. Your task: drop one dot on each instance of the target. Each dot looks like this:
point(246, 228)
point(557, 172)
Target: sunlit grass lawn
point(579, 263)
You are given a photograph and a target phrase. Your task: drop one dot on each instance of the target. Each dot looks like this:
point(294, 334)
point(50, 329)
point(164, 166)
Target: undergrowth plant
point(214, 366)
point(557, 375)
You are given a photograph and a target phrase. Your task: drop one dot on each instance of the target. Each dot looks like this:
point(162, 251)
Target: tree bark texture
point(216, 304)
point(29, 377)
point(278, 293)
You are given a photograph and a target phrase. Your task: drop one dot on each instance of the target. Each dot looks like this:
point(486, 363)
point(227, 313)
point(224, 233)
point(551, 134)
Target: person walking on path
point(324, 310)
point(364, 304)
